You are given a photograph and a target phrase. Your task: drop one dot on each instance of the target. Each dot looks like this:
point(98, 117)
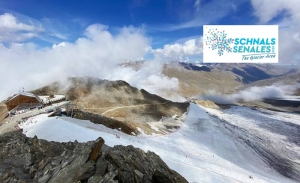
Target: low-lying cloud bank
point(252, 94)
point(181, 52)
point(97, 54)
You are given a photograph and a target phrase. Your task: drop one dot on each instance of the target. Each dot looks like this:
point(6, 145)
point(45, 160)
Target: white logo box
point(261, 44)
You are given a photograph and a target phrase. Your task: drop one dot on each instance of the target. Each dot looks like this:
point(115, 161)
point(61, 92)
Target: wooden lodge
point(22, 98)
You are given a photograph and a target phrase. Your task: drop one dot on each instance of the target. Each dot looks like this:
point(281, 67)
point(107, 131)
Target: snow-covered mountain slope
point(211, 146)
point(273, 135)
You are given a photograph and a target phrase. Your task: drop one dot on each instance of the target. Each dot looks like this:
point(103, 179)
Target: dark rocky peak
point(25, 159)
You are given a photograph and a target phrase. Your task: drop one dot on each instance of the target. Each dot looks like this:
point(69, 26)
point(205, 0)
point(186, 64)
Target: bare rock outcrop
point(25, 159)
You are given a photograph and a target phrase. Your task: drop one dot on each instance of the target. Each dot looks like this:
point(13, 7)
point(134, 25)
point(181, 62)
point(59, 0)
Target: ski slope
point(203, 150)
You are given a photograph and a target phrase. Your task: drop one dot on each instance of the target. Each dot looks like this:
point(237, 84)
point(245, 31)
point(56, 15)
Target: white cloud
point(97, 55)
point(253, 94)
point(289, 41)
point(8, 21)
point(197, 5)
point(178, 51)
point(11, 30)
point(268, 9)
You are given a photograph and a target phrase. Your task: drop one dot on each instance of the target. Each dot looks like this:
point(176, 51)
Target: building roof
point(24, 94)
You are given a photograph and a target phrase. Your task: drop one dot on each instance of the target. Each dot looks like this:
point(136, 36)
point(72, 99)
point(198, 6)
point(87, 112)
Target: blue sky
point(41, 39)
point(162, 21)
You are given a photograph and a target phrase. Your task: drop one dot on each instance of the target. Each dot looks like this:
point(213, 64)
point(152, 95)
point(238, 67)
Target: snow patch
point(201, 151)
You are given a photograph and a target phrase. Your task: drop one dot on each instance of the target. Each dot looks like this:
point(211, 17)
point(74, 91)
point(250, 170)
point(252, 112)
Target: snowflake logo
point(216, 40)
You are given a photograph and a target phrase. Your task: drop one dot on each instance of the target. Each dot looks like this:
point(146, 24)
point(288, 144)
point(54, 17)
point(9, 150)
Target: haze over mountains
point(145, 119)
point(117, 100)
point(195, 78)
point(133, 108)
point(214, 80)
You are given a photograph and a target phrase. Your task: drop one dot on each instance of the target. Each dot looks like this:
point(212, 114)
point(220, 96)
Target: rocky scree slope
point(115, 101)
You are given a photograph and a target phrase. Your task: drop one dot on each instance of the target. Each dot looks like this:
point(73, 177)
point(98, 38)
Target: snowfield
point(211, 146)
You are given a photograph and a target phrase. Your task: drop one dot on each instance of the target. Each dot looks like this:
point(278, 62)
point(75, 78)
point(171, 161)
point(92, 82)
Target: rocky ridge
point(24, 159)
